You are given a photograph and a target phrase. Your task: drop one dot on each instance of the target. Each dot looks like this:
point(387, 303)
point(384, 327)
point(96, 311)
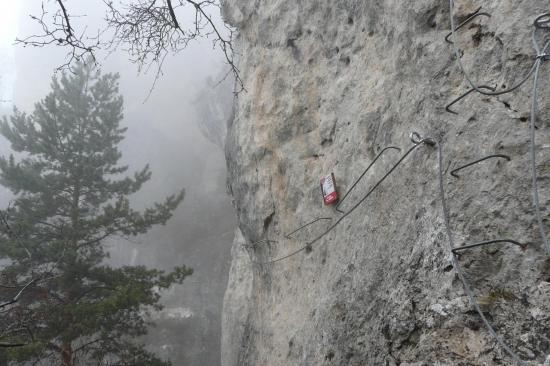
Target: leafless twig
point(57, 30)
point(148, 30)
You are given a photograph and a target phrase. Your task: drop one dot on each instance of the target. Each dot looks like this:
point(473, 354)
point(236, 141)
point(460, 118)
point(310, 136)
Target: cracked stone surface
point(329, 84)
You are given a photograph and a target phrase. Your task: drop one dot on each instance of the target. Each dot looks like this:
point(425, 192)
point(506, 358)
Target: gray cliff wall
point(331, 83)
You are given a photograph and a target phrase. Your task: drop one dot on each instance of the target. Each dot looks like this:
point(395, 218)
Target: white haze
point(163, 132)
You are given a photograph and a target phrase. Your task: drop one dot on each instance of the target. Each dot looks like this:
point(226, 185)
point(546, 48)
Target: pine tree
point(71, 195)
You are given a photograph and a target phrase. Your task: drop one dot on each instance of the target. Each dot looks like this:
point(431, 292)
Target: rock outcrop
point(329, 85)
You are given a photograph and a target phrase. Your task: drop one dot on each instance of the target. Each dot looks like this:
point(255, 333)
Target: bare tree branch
point(172, 13)
point(225, 44)
point(57, 31)
point(148, 30)
point(67, 21)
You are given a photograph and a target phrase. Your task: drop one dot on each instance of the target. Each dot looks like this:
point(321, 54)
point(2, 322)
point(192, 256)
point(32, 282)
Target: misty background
point(179, 130)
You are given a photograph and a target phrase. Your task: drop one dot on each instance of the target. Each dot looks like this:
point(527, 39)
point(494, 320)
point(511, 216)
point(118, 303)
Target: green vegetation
point(71, 195)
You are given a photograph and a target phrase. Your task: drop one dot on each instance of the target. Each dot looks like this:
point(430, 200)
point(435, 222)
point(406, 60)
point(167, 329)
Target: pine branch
point(61, 226)
point(16, 297)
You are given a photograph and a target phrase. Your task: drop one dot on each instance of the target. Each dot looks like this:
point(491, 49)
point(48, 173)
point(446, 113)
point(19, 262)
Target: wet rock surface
point(330, 84)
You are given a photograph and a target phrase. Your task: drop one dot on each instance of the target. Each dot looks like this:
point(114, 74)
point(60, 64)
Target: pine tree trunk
point(67, 355)
point(75, 213)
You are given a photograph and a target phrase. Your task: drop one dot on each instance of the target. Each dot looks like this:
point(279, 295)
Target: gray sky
point(26, 72)
point(9, 18)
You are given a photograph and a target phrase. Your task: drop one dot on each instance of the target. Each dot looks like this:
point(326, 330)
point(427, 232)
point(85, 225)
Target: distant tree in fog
point(59, 302)
point(214, 105)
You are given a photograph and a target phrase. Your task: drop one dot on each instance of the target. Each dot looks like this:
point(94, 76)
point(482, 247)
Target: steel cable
point(363, 174)
point(446, 219)
point(542, 22)
point(463, 69)
point(456, 264)
point(417, 142)
point(536, 201)
point(540, 56)
point(289, 235)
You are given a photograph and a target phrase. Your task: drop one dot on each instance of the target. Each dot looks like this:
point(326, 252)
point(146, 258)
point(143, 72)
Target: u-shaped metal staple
point(470, 91)
point(476, 14)
point(501, 241)
point(417, 142)
point(453, 172)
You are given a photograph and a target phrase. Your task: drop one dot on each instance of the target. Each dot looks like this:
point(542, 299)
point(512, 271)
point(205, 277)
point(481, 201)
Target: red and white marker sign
point(328, 188)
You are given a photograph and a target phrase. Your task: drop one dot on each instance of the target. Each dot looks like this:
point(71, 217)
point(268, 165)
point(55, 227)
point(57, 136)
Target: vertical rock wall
point(331, 83)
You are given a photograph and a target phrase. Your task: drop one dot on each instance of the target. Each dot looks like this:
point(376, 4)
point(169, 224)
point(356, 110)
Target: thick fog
point(177, 129)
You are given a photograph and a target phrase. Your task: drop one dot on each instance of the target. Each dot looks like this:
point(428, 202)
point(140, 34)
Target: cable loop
point(415, 138)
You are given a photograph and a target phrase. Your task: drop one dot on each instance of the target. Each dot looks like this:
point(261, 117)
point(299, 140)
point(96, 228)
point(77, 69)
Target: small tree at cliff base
point(71, 194)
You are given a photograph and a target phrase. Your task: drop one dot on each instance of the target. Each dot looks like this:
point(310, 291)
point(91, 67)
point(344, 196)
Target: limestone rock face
point(329, 84)
point(236, 305)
